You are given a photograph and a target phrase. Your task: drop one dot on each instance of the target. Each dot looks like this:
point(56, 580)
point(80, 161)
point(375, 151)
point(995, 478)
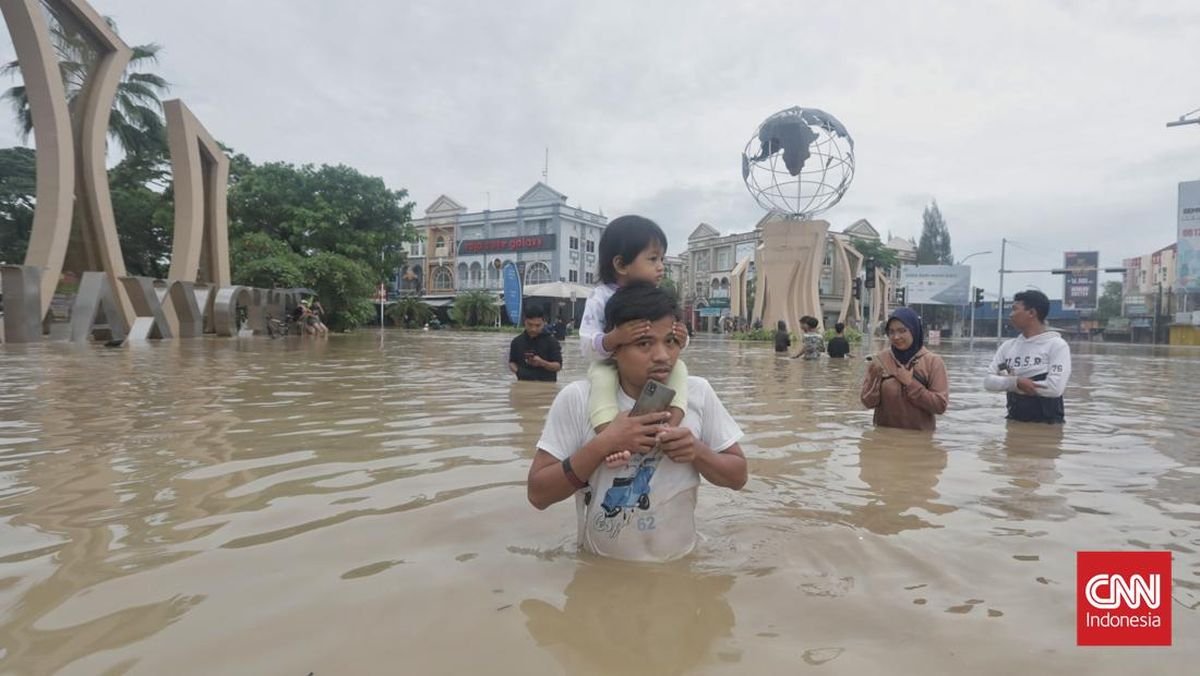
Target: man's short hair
point(535, 312)
point(639, 300)
point(839, 327)
point(1034, 300)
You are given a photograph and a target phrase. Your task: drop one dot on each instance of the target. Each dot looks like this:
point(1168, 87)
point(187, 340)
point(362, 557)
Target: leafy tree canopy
point(934, 246)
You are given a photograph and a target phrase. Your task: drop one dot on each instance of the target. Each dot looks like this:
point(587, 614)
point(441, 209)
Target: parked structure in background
point(711, 273)
point(459, 250)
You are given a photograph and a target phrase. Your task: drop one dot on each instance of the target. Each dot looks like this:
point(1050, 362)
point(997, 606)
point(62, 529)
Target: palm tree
point(136, 121)
point(473, 308)
point(410, 311)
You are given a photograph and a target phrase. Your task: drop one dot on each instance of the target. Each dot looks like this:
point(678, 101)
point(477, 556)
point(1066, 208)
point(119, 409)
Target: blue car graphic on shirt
point(627, 492)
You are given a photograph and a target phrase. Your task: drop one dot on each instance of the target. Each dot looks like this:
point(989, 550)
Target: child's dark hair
point(627, 236)
point(639, 300)
point(534, 312)
point(811, 322)
point(839, 327)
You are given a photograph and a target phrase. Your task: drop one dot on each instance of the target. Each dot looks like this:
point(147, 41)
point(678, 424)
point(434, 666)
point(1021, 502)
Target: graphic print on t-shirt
point(628, 492)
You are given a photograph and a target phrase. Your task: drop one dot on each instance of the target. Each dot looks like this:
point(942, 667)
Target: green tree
point(343, 286)
point(144, 209)
point(873, 248)
point(136, 120)
point(1109, 305)
point(410, 311)
point(934, 246)
point(323, 227)
point(261, 261)
point(18, 172)
point(474, 308)
point(330, 209)
point(669, 286)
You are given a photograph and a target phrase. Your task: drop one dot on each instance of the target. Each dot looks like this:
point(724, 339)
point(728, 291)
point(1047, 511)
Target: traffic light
point(856, 288)
point(901, 294)
point(870, 270)
point(978, 296)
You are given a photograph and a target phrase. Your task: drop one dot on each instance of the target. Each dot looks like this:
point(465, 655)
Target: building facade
point(460, 250)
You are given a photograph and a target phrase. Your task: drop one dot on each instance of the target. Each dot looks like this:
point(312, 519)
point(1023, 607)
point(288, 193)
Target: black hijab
point(912, 321)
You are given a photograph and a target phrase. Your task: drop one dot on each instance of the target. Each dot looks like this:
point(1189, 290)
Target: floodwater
point(357, 506)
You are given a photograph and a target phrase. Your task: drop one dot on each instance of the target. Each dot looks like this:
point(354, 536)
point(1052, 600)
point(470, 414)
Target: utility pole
point(1000, 300)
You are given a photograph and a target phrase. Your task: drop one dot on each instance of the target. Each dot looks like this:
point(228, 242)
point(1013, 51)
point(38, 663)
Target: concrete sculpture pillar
point(71, 149)
point(788, 270)
point(851, 261)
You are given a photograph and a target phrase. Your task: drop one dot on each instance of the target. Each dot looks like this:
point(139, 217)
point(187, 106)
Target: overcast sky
point(1042, 122)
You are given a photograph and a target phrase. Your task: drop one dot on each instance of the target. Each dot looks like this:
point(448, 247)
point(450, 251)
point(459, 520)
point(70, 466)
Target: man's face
point(534, 326)
point(652, 357)
point(1021, 316)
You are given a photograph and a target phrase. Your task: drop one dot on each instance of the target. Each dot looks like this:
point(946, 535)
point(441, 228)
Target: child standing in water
point(632, 249)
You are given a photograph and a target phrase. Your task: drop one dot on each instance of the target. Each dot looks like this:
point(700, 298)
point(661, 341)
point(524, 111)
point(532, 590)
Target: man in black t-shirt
point(535, 354)
point(839, 347)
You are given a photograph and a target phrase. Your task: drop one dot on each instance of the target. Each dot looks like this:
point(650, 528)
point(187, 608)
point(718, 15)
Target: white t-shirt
point(591, 326)
point(645, 511)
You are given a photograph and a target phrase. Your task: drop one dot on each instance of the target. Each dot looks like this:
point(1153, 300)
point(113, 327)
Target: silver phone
point(655, 397)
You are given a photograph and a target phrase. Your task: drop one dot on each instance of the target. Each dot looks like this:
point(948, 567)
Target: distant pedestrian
point(783, 340)
point(839, 347)
point(812, 344)
point(906, 384)
point(535, 354)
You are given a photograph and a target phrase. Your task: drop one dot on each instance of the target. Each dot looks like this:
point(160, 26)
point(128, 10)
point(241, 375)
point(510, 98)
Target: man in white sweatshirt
point(1034, 367)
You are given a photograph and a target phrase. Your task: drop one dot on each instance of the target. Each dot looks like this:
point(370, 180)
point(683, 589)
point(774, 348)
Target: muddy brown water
point(357, 506)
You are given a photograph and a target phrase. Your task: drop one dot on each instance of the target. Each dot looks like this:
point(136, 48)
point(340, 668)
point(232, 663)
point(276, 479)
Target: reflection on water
point(633, 619)
point(357, 505)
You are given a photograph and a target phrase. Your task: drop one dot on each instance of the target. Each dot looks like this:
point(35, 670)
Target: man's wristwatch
point(572, 476)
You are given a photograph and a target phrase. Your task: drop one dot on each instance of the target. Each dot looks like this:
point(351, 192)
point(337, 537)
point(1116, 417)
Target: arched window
point(538, 273)
point(715, 285)
point(462, 274)
point(442, 278)
point(725, 283)
point(493, 274)
point(440, 243)
point(476, 276)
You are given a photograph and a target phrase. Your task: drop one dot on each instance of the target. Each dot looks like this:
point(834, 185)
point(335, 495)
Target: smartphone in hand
point(655, 397)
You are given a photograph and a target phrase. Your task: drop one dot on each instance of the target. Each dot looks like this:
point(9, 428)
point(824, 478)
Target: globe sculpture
point(800, 162)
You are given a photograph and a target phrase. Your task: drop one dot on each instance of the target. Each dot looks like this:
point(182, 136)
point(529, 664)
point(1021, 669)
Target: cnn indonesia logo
point(1123, 598)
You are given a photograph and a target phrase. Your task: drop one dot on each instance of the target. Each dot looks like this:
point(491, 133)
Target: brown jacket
point(914, 406)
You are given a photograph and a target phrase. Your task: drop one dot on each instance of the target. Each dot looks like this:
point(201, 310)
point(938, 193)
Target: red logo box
point(1123, 598)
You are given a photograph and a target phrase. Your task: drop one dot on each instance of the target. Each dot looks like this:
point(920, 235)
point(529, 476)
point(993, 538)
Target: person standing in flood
point(783, 340)
point(839, 347)
point(906, 384)
point(1033, 368)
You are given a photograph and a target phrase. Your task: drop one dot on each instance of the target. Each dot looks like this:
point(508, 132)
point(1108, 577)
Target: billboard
point(936, 284)
point(1079, 285)
point(512, 292)
point(1187, 249)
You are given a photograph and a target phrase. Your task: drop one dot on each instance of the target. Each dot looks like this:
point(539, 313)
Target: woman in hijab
point(906, 384)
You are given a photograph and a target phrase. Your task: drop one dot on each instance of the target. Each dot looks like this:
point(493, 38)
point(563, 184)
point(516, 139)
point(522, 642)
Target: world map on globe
point(800, 161)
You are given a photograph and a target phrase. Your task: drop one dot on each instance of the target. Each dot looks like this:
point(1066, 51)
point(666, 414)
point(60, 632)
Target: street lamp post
point(1000, 298)
point(971, 300)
